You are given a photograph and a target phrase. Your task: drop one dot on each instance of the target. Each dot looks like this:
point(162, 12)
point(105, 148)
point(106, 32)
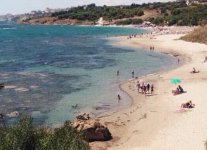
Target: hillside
point(199, 35)
point(170, 13)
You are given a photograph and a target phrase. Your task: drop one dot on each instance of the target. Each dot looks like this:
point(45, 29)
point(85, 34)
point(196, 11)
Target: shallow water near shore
point(56, 72)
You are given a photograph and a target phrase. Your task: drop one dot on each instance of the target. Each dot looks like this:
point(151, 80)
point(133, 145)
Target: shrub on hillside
point(199, 35)
point(24, 136)
point(129, 21)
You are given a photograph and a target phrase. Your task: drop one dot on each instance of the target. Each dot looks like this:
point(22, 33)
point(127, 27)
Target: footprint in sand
point(135, 131)
point(126, 114)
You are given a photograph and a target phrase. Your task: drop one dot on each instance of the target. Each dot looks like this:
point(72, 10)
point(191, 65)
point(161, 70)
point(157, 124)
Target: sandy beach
point(156, 122)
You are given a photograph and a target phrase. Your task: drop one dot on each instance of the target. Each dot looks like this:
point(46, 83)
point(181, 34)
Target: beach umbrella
point(175, 80)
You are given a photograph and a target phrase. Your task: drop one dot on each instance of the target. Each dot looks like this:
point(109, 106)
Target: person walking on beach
point(178, 60)
point(152, 89)
point(148, 87)
point(138, 86)
point(142, 88)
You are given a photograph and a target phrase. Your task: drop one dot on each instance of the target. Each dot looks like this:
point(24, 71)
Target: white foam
point(34, 86)
point(10, 87)
point(21, 89)
point(8, 28)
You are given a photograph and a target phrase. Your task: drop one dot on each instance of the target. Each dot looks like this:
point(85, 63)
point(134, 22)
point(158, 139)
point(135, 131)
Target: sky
point(23, 6)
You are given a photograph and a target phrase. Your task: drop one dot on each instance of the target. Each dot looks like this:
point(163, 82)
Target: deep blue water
point(47, 69)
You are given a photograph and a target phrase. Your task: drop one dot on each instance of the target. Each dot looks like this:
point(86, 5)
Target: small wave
point(33, 86)
point(3, 74)
point(22, 89)
point(9, 28)
point(25, 73)
point(10, 87)
point(42, 75)
point(45, 41)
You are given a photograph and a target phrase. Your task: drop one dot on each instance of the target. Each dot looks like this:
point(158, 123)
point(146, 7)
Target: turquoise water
point(50, 69)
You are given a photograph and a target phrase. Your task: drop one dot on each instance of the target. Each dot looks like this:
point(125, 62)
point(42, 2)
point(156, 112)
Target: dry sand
point(154, 122)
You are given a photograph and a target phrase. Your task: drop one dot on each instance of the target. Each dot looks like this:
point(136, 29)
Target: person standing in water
point(117, 73)
point(133, 74)
point(119, 97)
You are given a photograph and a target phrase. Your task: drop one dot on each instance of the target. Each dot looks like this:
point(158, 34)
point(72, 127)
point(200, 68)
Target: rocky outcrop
point(92, 129)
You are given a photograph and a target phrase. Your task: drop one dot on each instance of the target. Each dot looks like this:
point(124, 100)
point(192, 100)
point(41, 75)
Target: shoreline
point(158, 110)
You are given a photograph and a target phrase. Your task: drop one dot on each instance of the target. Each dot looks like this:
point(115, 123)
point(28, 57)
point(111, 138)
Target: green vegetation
point(199, 35)
point(170, 13)
point(193, 15)
point(129, 21)
point(24, 136)
point(93, 13)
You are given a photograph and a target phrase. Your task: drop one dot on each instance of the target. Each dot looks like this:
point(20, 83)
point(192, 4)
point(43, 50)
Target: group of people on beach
point(132, 36)
point(145, 88)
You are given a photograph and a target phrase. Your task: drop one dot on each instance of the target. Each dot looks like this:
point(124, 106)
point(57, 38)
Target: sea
point(53, 73)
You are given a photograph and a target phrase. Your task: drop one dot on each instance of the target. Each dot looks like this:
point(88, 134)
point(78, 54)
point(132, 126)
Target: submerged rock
point(2, 85)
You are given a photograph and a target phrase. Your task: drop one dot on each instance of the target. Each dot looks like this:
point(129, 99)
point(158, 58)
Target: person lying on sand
point(188, 104)
point(179, 90)
point(176, 92)
point(194, 71)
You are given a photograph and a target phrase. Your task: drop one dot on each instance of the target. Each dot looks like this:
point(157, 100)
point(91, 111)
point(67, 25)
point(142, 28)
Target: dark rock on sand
point(97, 133)
point(92, 129)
